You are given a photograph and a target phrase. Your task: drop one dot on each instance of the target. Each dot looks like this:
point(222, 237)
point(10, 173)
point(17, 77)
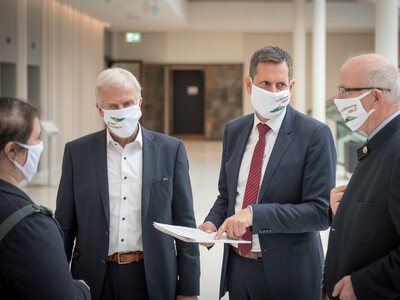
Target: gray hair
point(114, 78)
point(385, 75)
point(270, 54)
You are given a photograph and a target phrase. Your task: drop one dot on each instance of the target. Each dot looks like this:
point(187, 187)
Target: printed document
point(194, 235)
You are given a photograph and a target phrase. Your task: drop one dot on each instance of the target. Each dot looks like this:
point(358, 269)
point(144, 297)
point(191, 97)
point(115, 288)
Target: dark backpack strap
point(20, 214)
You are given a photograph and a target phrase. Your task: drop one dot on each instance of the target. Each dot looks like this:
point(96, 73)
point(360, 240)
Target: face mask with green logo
point(269, 105)
point(352, 111)
point(122, 122)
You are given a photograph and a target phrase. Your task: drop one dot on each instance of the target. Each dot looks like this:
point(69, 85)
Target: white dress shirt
point(270, 138)
point(124, 166)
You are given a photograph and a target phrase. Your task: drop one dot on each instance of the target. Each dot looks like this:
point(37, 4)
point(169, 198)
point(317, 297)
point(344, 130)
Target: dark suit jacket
point(293, 202)
point(33, 264)
point(364, 240)
point(83, 213)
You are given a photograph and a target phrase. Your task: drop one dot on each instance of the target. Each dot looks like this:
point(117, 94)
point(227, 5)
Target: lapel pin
point(362, 152)
point(365, 149)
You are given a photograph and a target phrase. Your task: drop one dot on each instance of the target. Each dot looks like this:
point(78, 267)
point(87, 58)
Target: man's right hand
point(336, 197)
point(209, 228)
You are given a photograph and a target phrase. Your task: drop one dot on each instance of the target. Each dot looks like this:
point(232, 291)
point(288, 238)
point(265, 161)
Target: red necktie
point(253, 181)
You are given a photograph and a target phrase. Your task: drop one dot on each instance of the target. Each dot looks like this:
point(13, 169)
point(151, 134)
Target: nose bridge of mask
point(273, 94)
point(38, 145)
point(121, 110)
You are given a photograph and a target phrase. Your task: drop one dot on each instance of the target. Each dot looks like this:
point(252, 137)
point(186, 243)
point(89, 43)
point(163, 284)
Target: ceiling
point(170, 15)
point(265, 0)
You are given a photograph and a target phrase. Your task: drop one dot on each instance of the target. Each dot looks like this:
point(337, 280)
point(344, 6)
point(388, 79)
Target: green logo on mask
point(348, 119)
point(277, 109)
point(117, 120)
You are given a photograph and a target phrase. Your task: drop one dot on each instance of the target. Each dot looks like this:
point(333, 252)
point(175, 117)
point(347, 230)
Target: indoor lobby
point(51, 52)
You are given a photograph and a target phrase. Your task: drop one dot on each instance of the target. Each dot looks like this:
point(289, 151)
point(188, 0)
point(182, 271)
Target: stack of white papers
point(194, 235)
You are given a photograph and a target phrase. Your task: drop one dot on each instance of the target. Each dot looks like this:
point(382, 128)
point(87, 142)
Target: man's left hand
point(181, 297)
point(344, 289)
point(235, 226)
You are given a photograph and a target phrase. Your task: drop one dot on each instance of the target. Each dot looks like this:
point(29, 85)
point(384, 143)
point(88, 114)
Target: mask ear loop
point(251, 81)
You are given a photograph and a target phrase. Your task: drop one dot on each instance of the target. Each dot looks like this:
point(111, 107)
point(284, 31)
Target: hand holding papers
point(193, 235)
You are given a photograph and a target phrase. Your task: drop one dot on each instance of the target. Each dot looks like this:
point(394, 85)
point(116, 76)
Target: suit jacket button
point(103, 261)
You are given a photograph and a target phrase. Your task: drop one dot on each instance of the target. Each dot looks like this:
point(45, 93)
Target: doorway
point(188, 102)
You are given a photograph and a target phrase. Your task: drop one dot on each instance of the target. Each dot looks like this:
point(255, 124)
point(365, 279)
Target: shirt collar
point(274, 124)
point(139, 138)
point(383, 124)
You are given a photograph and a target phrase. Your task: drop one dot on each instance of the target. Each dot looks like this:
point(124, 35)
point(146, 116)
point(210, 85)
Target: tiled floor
point(204, 160)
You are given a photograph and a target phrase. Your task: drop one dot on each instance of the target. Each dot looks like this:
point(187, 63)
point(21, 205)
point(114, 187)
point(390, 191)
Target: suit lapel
point(99, 150)
point(149, 162)
point(281, 144)
point(233, 165)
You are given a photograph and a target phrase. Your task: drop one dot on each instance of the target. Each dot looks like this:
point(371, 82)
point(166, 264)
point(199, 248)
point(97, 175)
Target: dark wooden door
point(188, 99)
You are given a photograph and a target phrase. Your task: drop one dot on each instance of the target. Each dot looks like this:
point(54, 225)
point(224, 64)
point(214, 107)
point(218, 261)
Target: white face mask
point(352, 111)
point(32, 161)
point(122, 122)
point(269, 105)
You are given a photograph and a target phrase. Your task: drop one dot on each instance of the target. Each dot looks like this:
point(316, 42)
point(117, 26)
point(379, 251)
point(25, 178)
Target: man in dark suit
point(276, 196)
point(363, 257)
point(115, 183)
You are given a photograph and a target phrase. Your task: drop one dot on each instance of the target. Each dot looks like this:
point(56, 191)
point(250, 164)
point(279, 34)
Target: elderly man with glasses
point(363, 257)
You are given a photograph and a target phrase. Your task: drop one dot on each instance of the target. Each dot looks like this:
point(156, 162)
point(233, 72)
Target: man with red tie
point(277, 170)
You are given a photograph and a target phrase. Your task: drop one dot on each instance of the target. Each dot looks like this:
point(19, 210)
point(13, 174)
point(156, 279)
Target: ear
point(291, 85)
point(378, 98)
point(247, 83)
point(10, 150)
point(140, 103)
point(101, 113)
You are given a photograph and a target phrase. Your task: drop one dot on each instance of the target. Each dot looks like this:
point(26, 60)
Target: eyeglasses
point(342, 90)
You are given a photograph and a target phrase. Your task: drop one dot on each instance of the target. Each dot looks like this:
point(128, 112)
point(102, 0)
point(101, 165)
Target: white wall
point(180, 47)
point(340, 47)
point(204, 47)
point(152, 48)
point(73, 56)
point(70, 55)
